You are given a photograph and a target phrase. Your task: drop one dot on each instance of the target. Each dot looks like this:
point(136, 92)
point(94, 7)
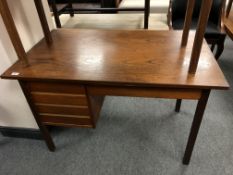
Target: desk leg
point(196, 125)
point(178, 105)
point(43, 129)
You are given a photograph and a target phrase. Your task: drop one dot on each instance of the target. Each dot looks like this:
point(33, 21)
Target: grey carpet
point(135, 136)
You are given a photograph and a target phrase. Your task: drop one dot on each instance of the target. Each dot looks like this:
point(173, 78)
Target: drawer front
point(59, 98)
point(60, 104)
point(62, 109)
point(56, 88)
point(66, 120)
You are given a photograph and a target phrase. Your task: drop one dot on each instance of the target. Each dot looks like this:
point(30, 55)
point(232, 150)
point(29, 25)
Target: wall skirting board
point(21, 132)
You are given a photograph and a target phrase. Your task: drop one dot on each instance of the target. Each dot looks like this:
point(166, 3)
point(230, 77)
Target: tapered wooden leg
point(43, 129)
point(12, 31)
point(146, 14)
point(230, 2)
point(219, 51)
point(71, 8)
point(178, 105)
point(220, 47)
point(212, 47)
point(199, 36)
point(47, 137)
point(43, 21)
point(196, 125)
point(55, 14)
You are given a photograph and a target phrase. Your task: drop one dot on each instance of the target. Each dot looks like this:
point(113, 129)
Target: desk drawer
point(56, 88)
point(57, 93)
point(62, 109)
point(60, 104)
point(59, 98)
point(62, 120)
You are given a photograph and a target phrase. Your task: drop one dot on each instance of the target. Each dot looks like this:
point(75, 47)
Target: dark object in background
point(109, 3)
point(104, 3)
point(77, 1)
point(71, 9)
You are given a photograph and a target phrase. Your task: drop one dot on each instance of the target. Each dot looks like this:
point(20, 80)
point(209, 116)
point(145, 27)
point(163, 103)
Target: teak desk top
point(147, 58)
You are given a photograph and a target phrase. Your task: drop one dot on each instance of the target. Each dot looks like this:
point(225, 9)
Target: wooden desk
point(65, 83)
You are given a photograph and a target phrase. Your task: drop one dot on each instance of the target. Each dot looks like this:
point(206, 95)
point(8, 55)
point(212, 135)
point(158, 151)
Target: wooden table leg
point(196, 125)
point(43, 129)
point(178, 105)
point(70, 5)
point(55, 14)
point(146, 14)
point(47, 137)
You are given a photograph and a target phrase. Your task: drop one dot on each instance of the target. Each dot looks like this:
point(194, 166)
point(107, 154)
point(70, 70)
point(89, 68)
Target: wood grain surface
point(129, 58)
point(228, 23)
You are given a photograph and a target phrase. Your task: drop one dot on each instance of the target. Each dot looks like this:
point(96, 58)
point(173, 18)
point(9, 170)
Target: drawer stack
point(60, 104)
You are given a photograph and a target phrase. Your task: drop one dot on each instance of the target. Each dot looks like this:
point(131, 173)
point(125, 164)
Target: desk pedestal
point(73, 104)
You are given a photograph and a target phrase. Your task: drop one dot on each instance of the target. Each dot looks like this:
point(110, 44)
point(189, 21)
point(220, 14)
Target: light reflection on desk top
point(142, 58)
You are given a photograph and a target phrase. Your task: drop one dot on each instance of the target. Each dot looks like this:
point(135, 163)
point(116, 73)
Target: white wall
point(14, 110)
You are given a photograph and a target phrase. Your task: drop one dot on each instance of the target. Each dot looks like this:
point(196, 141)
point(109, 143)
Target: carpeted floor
point(134, 136)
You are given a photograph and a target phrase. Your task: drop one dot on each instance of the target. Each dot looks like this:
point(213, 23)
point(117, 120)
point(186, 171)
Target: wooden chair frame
point(72, 11)
point(229, 6)
point(212, 41)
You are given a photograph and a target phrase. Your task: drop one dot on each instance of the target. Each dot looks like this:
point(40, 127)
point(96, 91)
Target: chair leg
point(146, 13)
point(55, 13)
point(220, 47)
point(212, 47)
point(71, 8)
point(178, 105)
